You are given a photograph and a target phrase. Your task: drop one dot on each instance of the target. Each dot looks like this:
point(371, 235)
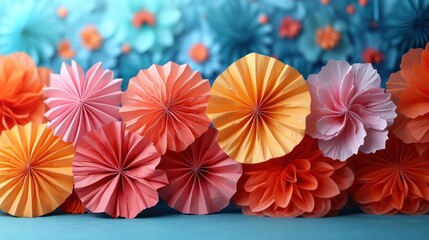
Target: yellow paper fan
point(35, 170)
point(259, 105)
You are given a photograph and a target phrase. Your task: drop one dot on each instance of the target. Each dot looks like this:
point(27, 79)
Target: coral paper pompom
point(259, 105)
point(393, 180)
point(114, 171)
point(350, 112)
point(167, 105)
point(302, 183)
point(202, 177)
point(79, 102)
point(410, 91)
point(35, 170)
point(21, 85)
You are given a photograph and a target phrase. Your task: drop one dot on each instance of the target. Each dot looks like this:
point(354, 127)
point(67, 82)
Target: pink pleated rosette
point(202, 178)
point(115, 172)
point(167, 104)
point(79, 102)
point(350, 112)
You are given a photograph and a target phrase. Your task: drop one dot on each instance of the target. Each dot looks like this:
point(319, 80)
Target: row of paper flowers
point(279, 146)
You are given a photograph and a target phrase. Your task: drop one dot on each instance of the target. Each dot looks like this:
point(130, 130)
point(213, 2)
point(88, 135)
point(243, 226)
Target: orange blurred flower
point(393, 180)
point(410, 91)
point(21, 84)
point(302, 183)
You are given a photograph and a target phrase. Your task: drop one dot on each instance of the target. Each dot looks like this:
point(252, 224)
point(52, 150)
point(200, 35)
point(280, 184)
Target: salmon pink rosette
point(301, 183)
point(350, 112)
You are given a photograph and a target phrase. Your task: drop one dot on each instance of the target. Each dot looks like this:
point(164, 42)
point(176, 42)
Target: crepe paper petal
point(21, 99)
point(114, 171)
point(259, 106)
point(392, 180)
point(167, 105)
point(35, 170)
point(73, 204)
point(410, 91)
point(301, 183)
point(202, 177)
point(79, 102)
point(350, 112)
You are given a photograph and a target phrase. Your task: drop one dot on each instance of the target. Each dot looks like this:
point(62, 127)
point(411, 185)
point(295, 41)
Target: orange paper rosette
point(302, 183)
point(259, 105)
point(35, 170)
point(393, 180)
point(410, 92)
point(21, 85)
point(167, 105)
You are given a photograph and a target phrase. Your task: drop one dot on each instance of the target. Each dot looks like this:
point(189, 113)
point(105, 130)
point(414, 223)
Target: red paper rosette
point(202, 178)
point(302, 183)
point(114, 171)
point(73, 204)
point(393, 180)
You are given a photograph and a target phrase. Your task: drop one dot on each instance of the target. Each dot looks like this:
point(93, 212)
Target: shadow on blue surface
point(162, 222)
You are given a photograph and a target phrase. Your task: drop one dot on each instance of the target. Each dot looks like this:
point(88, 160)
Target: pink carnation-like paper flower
point(115, 171)
point(203, 178)
point(79, 102)
point(167, 104)
point(350, 112)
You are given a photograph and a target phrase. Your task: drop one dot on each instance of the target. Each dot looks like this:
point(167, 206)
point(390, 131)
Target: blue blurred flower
point(29, 26)
point(147, 25)
point(325, 37)
point(199, 50)
point(406, 23)
point(238, 29)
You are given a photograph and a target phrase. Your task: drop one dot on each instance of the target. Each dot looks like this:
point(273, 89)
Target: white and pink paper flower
point(350, 112)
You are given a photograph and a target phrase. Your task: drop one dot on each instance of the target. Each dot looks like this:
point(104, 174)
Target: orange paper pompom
point(393, 180)
point(167, 105)
point(410, 92)
point(21, 85)
point(302, 183)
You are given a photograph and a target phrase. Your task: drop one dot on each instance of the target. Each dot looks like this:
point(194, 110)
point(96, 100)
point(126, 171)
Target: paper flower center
point(62, 12)
point(64, 50)
point(263, 19)
point(371, 55)
point(289, 28)
point(327, 38)
point(142, 18)
point(126, 48)
point(91, 38)
point(199, 53)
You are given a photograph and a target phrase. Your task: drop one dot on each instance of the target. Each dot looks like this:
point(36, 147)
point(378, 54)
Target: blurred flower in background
point(130, 35)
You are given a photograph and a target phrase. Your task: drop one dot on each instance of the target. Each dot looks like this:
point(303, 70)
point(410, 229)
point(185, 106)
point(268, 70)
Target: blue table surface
point(161, 222)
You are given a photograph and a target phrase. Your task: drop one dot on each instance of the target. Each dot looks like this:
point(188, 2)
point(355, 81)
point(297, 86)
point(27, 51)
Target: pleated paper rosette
point(259, 105)
point(115, 171)
point(79, 102)
point(167, 105)
point(202, 177)
point(35, 170)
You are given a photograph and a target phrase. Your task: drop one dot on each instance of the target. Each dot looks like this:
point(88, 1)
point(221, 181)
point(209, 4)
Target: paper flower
point(167, 105)
point(406, 23)
point(238, 38)
point(302, 183)
point(202, 177)
point(392, 180)
point(259, 106)
point(73, 204)
point(201, 52)
point(147, 25)
point(114, 171)
point(29, 26)
point(35, 170)
point(409, 88)
point(350, 112)
point(21, 85)
point(79, 102)
point(324, 37)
